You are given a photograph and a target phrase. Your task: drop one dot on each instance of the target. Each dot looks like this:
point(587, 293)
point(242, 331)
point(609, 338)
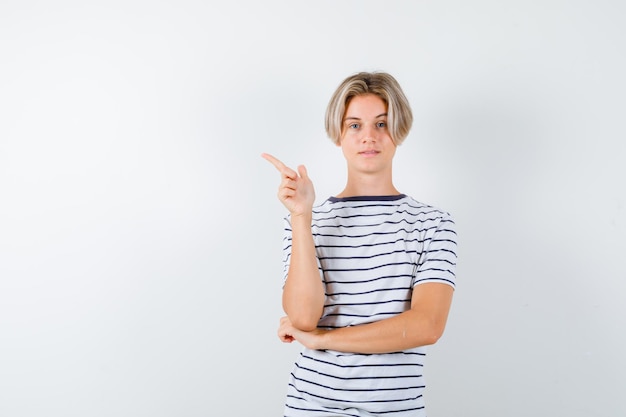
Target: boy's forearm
point(421, 325)
point(401, 332)
point(303, 293)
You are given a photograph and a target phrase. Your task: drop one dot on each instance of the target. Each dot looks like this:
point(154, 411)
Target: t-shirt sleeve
point(437, 262)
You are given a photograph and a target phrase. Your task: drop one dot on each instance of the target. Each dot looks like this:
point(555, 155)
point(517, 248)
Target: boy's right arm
point(303, 293)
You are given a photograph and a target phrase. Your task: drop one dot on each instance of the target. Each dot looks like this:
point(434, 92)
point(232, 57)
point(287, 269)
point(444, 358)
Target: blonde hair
point(381, 84)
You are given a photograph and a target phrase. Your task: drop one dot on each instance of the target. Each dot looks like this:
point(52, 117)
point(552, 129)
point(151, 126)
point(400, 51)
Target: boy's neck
point(368, 186)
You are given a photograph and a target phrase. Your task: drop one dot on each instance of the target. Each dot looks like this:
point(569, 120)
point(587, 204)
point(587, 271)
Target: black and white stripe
point(372, 251)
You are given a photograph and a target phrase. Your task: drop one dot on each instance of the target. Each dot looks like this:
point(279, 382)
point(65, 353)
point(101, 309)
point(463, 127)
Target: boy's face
point(365, 140)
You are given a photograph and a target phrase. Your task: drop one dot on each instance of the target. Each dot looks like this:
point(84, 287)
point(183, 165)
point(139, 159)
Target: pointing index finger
point(282, 168)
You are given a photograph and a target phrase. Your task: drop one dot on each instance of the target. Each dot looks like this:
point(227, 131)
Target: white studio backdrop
point(140, 236)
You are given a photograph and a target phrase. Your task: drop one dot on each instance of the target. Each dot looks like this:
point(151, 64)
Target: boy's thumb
point(302, 171)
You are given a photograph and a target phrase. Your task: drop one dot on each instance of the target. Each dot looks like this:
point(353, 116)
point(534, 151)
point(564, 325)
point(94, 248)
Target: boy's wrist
point(302, 219)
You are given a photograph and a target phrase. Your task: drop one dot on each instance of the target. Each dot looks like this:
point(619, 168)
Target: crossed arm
point(303, 293)
point(423, 324)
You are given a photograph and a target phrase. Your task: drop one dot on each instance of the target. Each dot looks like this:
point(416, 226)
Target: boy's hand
point(287, 334)
point(296, 190)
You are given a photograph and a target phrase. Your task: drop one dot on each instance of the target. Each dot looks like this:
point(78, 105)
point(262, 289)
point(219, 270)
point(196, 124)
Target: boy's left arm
point(423, 324)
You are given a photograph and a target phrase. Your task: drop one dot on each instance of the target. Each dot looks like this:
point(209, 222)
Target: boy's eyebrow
point(358, 118)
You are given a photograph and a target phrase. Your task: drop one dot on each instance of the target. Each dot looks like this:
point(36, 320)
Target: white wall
point(140, 235)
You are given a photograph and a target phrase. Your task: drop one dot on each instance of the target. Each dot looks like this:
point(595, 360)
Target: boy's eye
point(353, 126)
point(381, 124)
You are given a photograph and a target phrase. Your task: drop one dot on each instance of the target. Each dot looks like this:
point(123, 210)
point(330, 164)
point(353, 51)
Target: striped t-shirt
point(372, 251)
